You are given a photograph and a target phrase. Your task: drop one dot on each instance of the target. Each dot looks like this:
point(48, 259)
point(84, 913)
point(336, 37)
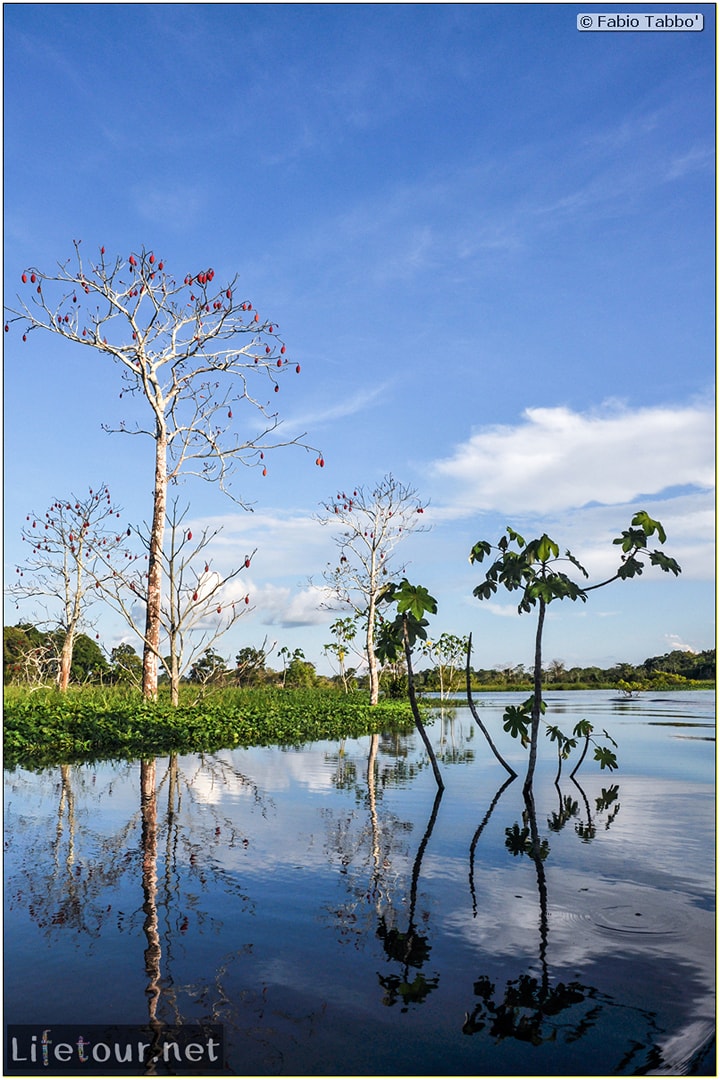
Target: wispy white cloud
point(555, 459)
point(163, 204)
point(355, 403)
point(697, 159)
point(676, 642)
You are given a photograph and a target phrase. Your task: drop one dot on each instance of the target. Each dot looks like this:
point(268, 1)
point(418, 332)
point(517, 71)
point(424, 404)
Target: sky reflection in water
point(340, 925)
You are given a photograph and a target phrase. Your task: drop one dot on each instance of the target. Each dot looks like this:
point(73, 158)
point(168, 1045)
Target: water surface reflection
point(340, 917)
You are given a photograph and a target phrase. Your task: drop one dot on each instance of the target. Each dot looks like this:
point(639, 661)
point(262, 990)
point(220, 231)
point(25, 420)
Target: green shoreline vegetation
point(44, 727)
point(103, 715)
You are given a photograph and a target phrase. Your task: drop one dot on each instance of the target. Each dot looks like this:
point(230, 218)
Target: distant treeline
point(674, 668)
point(31, 655)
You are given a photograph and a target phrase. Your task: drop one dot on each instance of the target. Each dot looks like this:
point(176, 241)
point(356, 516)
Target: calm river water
point(336, 918)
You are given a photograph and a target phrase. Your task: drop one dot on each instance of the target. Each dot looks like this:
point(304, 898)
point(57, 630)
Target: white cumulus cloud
point(555, 459)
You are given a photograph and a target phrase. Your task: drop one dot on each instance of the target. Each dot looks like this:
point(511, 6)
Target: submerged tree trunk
point(537, 699)
point(151, 651)
point(416, 712)
point(477, 719)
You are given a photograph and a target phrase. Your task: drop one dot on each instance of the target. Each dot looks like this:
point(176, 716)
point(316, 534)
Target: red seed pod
point(247, 563)
point(24, 279)
point(152, 257)
point(247, 599)
point(195, 596)
point(189, 535)
point(297, 369)
point(282, 349)
point(33, 278)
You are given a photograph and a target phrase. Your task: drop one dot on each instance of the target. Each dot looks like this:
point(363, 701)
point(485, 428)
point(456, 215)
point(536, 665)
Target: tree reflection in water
point(179, 862)
point(532, 1009)
point(409, 949)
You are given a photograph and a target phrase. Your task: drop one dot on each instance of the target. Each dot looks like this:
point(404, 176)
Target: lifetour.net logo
point(113, 1050)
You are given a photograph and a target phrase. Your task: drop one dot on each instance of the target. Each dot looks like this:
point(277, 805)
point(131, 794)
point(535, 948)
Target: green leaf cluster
point(530, 568)
point(413, 602)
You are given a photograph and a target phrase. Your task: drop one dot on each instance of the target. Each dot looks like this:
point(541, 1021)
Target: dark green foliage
point(696, 666)
point(250, 666)
point(126, 665)
point(208, 668)
point(89, 663)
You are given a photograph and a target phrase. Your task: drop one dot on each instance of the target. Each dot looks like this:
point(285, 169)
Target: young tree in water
point(194, 353)
point(371, 524)
point(73, 549)
point(532, 569)
point(400, 636)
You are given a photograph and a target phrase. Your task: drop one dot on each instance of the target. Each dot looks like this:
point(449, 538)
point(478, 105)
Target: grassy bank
point(43, 727)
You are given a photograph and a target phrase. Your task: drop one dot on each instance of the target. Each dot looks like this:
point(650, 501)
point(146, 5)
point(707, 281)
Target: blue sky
point(487, 238)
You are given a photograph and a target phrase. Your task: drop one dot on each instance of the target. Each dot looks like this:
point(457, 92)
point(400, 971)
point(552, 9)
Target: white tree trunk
point(151, 651)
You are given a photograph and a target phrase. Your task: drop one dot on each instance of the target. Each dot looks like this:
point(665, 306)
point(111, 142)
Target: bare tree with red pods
point(371, 524)
point(199, 359)
point(74, 549)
